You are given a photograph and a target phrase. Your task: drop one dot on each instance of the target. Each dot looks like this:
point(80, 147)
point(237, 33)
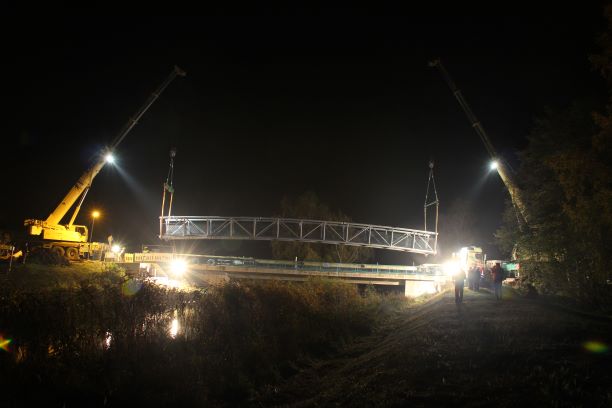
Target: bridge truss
point(289, 229)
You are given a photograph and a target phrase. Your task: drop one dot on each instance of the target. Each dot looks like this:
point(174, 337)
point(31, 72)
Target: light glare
point(451, 268)
point(110, 158)
point(494, 164)
point(108, 338)
point(178, 266)
point(174, 328)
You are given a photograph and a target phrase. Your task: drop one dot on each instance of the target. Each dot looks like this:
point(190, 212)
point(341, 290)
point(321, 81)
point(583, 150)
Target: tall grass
point(113, 342)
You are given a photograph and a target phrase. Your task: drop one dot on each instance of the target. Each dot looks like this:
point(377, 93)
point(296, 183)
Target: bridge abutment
point(415, 288)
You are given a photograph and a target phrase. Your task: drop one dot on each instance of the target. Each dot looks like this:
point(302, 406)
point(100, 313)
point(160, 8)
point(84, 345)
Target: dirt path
point(483, 353)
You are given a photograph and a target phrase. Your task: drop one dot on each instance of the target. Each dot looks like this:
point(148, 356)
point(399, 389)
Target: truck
point(469, 257)
point(69, 239)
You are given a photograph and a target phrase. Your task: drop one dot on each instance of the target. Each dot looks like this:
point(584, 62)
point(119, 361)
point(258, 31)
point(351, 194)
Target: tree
point(566, 180)
point(557, 169)
point(308, 206)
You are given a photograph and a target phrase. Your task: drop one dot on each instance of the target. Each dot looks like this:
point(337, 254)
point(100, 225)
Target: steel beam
point(290, 229)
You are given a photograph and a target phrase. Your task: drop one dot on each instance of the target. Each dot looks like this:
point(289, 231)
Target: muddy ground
point(514, 352)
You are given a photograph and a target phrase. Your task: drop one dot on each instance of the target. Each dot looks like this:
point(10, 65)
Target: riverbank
point(90, 337)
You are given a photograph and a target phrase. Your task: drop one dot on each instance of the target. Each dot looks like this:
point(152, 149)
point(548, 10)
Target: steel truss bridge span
point(290, 229)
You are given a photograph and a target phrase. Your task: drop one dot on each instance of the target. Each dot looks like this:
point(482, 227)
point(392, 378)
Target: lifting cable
point(168, 188)
point(434, 199)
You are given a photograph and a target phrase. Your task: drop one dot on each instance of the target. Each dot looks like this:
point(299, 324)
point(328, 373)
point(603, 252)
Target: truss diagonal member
point(332, 229)
point(271, 223)
point(424, 241)
point(179, 228)
point(383, 239)
point(287, 228)
point(193, 225)
point(402, 237)
point(216, 231)
point(361, 231)
point(239, 225)
point(317, 227)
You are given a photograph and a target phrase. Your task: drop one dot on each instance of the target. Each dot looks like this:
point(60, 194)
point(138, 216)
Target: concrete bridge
point(202, 269)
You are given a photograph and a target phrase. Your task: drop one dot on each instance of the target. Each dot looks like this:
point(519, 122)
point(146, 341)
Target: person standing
point(470, 278)
point(497, 274)
point(476, 278)
point(472, 272)
point(459, 279)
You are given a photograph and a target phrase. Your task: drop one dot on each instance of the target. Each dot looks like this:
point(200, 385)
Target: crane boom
point(502, 168)
point(69, 239)
point(81, 187)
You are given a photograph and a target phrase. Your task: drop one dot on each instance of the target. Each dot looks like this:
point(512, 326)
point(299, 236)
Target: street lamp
point(94, 215)
point(493, 165)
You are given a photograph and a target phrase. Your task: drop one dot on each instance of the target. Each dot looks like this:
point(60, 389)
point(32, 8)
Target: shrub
point(231, 340)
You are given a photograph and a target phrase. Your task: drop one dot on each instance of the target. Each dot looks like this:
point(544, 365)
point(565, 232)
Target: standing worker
point(475, 275)
point(459, 279)
point(498, 277)
point(470, 278)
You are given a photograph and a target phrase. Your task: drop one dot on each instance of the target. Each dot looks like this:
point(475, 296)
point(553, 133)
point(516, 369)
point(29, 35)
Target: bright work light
point(178, 266)
point(494, 164)
point(451, 268)
point(110, 158)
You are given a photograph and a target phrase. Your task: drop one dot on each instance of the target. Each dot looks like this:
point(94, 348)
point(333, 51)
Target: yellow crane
point(68, 239)
point(497, 162)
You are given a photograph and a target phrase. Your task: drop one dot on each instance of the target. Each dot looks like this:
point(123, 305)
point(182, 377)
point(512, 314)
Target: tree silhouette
point(308, 206)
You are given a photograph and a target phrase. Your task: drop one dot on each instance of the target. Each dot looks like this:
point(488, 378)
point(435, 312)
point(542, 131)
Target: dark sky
point(342, 105)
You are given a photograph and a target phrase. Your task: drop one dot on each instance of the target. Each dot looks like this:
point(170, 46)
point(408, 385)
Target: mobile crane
point(71, 240)
point(497, 162)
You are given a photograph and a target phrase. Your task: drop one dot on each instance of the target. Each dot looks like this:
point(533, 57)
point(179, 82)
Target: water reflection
point(108, 338)
point(174, 326)
point(168, 324)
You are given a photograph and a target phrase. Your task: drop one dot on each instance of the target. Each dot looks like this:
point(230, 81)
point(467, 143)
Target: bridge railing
point(289, 229)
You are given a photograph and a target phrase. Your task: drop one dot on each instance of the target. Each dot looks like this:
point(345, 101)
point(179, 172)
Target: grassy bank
point(34, 277)
point(105, 338)
point(485, 353)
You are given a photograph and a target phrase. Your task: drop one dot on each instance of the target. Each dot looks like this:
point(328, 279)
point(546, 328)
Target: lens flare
point(178, 266)
point(4, 343)
point(131, 287)
point(596, 347)
point(451, 268)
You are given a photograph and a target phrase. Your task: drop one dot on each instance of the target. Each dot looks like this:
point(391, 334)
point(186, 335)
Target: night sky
point(342, 105)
